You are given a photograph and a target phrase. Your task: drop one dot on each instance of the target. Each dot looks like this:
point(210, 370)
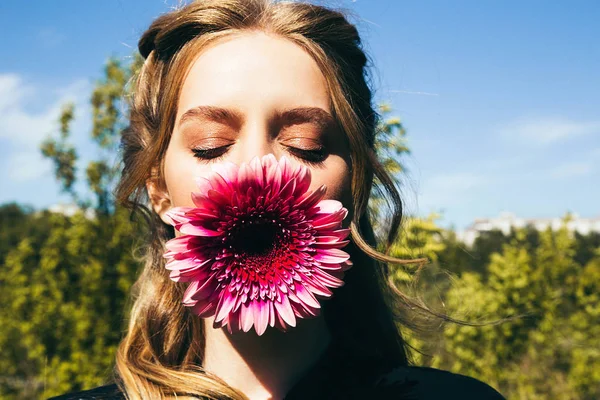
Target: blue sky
point(501, 99)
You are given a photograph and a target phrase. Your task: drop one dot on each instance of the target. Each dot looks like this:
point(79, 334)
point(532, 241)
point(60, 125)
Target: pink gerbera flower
point(259, 249)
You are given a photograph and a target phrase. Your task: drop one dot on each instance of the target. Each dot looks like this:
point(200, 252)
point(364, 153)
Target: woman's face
point(248, 96)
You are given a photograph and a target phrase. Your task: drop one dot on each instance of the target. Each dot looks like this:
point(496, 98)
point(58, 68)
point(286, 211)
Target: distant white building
point(507, 220)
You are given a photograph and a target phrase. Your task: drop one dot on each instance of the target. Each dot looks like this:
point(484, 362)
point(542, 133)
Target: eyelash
point(315, 157)
point(210, 154)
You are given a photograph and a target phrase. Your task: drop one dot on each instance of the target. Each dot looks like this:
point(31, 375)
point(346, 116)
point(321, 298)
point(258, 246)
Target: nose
point(257, 141)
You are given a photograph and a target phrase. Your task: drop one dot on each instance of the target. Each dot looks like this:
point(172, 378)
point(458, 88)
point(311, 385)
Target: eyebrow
point(292, 116)
point(217, 114)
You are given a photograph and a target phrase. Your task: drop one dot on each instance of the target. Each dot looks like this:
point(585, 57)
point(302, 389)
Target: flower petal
point(271, 288)
point(306, 296)
point(261, 316)
point(313, 198)
point(225, 305)
point(329, 206)
point(331, 256)
point(327, 279)
point(195, 228)
point(284, 309)
point(246, 317)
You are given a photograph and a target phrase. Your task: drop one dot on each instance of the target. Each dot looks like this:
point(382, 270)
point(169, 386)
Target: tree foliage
point(65, 278)
point(551, 351)
point(63, 296)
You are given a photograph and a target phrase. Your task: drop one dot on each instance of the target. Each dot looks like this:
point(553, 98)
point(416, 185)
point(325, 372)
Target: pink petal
point(272, 173)
point(271, 314)
point(317, 287)
point(329, 206)
point(189, 292)
point(227, 170)
point(287, 189)
point(177, 215)
point(237, 298)
point(233, 322)
point(302, 181)
point(322, 220)
point(179, 276)
point(339, 233)
point(204, 184)
point(312, 198)
point(205, 290)
point(178, 244)
point(304, 311)
point(306, 296)
point(285, 168)
point(225, 305)
point(218, 198)
point(331, 256)
point(185, 264)
point(204, 310)
point(284, 310)
point(326, 239)
point(327, 279)
point(202, 200)
point(257, 172)
point(331, 225)
point(261, 316)
point(335, 245)
point(245, 178)
point(195, 229)
point(246, 317)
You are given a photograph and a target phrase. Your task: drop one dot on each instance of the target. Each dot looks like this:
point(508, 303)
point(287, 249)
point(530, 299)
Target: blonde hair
point(162, 352)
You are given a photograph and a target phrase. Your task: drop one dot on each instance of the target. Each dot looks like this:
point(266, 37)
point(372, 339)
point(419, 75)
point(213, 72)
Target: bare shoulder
point(423, 383)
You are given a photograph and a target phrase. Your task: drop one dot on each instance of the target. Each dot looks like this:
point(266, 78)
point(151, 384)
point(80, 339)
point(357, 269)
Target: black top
point(338, 375)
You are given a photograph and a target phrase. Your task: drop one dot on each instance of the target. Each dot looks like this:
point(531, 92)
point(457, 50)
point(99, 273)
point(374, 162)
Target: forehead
point(254, 70)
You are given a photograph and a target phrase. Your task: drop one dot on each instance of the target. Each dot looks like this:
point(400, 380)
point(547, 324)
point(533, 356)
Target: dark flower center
point(256, 238)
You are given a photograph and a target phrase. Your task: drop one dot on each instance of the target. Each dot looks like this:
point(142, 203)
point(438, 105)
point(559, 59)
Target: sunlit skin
point(247, 96)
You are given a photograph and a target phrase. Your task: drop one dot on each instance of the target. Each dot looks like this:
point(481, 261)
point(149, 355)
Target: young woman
point(228, 81)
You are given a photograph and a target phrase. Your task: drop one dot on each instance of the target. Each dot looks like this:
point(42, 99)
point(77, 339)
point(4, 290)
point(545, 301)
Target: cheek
point(180, 172)
point(337, 178)
point(181, 169)
point(338, 181)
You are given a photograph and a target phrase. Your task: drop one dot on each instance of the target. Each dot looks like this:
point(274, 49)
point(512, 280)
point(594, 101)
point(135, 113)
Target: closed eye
point(313, 156)
point(316, 156)
point(212, 154)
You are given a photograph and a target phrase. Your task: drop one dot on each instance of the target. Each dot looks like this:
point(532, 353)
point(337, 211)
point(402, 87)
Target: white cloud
point(569, 170)
point(50, 37)
point(22, 130)
point(456, 181)
point(27, 165)
point(547, 130)
point(449, 189)
point(12, 91)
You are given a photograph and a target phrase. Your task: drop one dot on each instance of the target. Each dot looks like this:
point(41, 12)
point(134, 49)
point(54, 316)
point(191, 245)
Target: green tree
point(584, 371)
point(390, 141)
point(548, 352)
point(64, 287)
point(14, 220)
point(419, 237)
point(456, 257)
point(390, 146)
point(425, 283)
point(109, 107)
